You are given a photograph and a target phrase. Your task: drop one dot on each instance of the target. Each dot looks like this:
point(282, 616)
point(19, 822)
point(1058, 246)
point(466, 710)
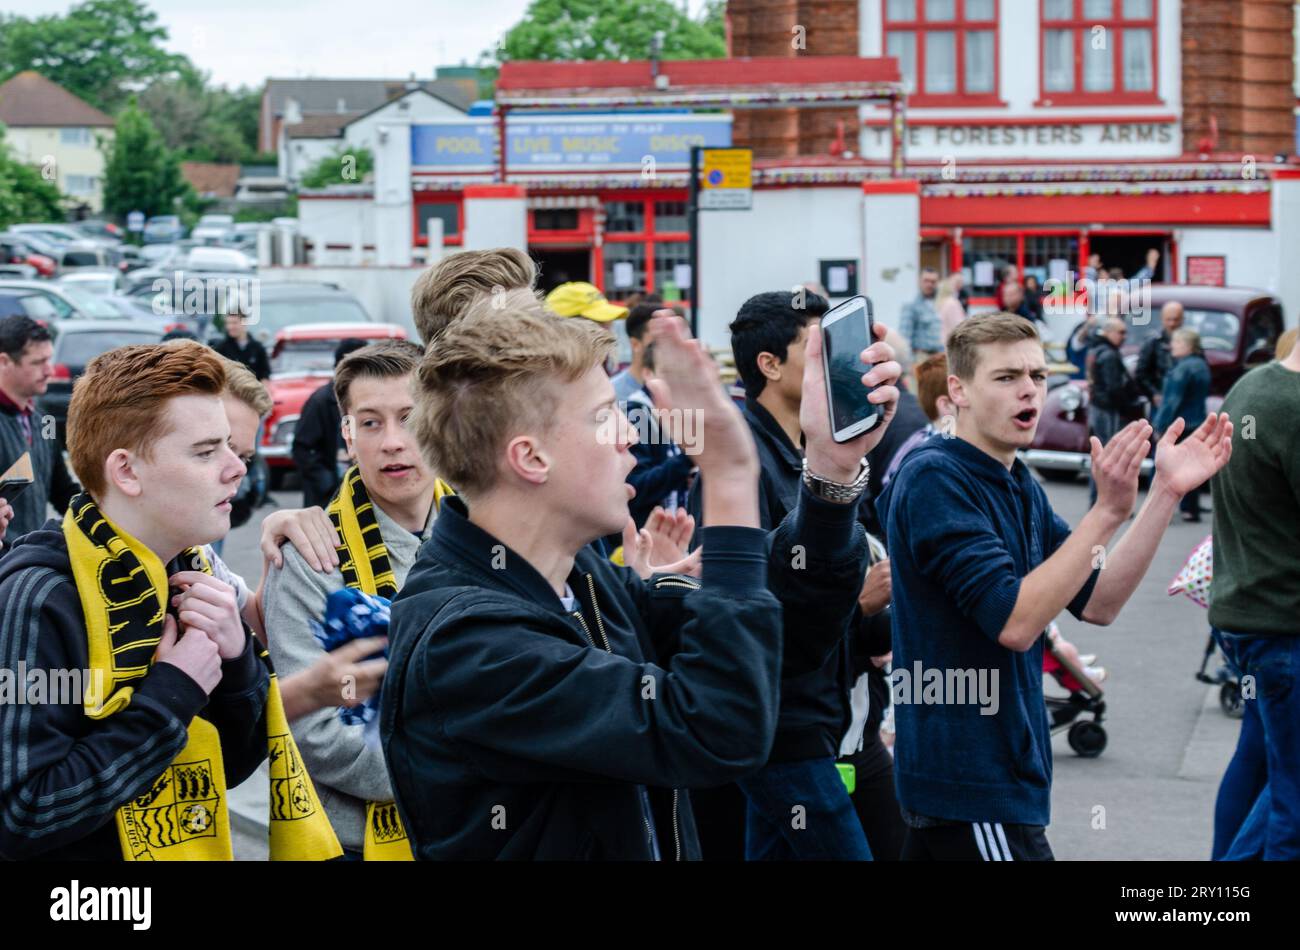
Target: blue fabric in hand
point(351, 614)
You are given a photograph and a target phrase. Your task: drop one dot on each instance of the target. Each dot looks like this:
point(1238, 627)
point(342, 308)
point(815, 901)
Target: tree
point(203, 124)
point(348, 166)
point(96, 51)
point(140, 172)
point(611, 29)
point(24, 194)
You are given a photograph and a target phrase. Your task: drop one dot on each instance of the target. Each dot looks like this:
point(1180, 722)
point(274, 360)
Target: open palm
point(1184, 465)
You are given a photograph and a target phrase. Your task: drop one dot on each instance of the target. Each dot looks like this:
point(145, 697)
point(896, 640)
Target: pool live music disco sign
point(1058, 138)
point(555, 143)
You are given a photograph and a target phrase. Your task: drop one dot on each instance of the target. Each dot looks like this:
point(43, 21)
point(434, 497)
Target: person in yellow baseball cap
point(580, 299)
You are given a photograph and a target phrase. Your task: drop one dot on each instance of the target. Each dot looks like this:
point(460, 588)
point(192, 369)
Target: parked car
point(302, 360)
point(1239, 328)
point(17, 252)
point(76, 343)
point(89, 254)
point(293, 304)
point(105, 231)
point(212, 228)
point(163, 229)
point(100, 281)
point(55, 233)
point(55, 302)
point(212, 258)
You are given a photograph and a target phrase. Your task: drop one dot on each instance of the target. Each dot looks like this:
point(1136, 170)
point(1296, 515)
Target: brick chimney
point(1238, 75)
point(793, 28)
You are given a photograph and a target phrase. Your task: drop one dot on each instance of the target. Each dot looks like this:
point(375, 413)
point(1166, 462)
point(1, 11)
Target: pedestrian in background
point(948, 302)
point(919, 324)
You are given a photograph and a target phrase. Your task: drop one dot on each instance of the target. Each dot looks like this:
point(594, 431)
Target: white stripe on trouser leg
point(979, 841)
point(993, 845)
point(1002, 837)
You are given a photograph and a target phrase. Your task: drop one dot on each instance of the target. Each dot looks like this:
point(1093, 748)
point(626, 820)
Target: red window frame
point(1081, 27)
point(649, 236)
point(438, 198)
point(959, 25)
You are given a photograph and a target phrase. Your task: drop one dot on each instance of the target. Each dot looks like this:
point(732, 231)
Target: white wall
point(1251, 252)
point(420, 107)
point(775, 246)
point(350, 221)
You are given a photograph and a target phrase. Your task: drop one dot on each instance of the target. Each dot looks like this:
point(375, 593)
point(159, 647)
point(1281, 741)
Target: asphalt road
point(1150, 795)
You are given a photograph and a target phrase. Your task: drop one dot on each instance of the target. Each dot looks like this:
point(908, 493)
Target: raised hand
point(1116, 466)
point(687, 380)
point(830, 459)
point(1181, 466)
point(649, 553)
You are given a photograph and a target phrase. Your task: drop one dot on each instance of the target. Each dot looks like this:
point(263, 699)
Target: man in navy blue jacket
point(981, 565)
point(541, 702)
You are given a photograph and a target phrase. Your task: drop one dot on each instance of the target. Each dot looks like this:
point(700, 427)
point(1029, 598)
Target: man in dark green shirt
point(1255, 607)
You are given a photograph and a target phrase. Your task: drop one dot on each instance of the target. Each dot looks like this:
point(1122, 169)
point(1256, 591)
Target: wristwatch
point(837, 492)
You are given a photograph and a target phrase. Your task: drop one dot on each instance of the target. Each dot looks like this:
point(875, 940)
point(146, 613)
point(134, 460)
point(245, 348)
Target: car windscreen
point(305, 356)
point(75, 350)
point(31, 305)
point(1219, 329)
point(275, 315)
point(92, 305)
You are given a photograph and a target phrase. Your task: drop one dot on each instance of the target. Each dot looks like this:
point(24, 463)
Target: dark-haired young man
point(797, 806)
point(26, 355)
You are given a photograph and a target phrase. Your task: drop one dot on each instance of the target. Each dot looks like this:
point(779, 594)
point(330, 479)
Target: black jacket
point(63, 775)
point(52, 482)
point(1154, 360)
point(515, 730)
point(316, 441)
point(252, 354)
point(815, 701)
point(1111, 386)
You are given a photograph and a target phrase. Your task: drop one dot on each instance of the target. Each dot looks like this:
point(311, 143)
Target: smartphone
point(846, 332)
point(11, 488)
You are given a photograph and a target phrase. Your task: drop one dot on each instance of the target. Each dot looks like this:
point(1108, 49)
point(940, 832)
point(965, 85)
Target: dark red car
point(1239, 328)
point(302, 361)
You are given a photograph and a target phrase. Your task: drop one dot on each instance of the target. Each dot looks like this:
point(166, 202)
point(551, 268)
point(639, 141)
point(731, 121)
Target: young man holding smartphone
point(542, 702)
point(797, 806)
point(981, 566)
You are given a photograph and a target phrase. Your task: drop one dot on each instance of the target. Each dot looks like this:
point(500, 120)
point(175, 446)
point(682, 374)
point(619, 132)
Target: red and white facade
point(1036, 132)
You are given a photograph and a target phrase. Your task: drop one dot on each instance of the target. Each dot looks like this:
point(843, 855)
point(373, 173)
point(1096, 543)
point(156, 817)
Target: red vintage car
point(1239, 328)
point(302, 360)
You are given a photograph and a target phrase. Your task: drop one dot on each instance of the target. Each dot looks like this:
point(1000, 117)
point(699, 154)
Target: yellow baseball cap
point(580, 299)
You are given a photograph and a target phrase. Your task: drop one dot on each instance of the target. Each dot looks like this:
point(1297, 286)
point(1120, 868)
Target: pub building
point(994, 132)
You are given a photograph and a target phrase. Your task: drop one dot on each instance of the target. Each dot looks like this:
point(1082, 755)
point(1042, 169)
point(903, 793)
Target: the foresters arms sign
point(1108, 136)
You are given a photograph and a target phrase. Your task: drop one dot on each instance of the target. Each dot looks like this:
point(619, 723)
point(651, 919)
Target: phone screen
point(845, 335)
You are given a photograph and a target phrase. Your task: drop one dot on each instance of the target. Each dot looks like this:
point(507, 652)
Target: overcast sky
point(244, 42)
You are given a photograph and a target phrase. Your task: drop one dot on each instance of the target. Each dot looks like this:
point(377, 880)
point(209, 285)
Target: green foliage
point(141, 173)
point(24, 194)
point(611, 29)
point(203, 124)
point(344, 167)
point(94, 51)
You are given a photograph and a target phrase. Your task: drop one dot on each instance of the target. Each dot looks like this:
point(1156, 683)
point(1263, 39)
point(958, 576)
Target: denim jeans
point(1272, 828)
point(801, 811)
point(1244, 779)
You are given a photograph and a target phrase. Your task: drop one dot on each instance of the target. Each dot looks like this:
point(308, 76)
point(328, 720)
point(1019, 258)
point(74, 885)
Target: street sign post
point(722, 179)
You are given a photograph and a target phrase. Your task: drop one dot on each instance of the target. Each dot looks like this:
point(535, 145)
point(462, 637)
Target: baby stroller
point(1229, 686)
point(1084, 697)
point(1193, 580)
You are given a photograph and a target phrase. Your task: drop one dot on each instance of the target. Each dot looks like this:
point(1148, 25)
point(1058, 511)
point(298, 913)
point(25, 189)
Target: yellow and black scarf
point(364, 564)
point(124, 596)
